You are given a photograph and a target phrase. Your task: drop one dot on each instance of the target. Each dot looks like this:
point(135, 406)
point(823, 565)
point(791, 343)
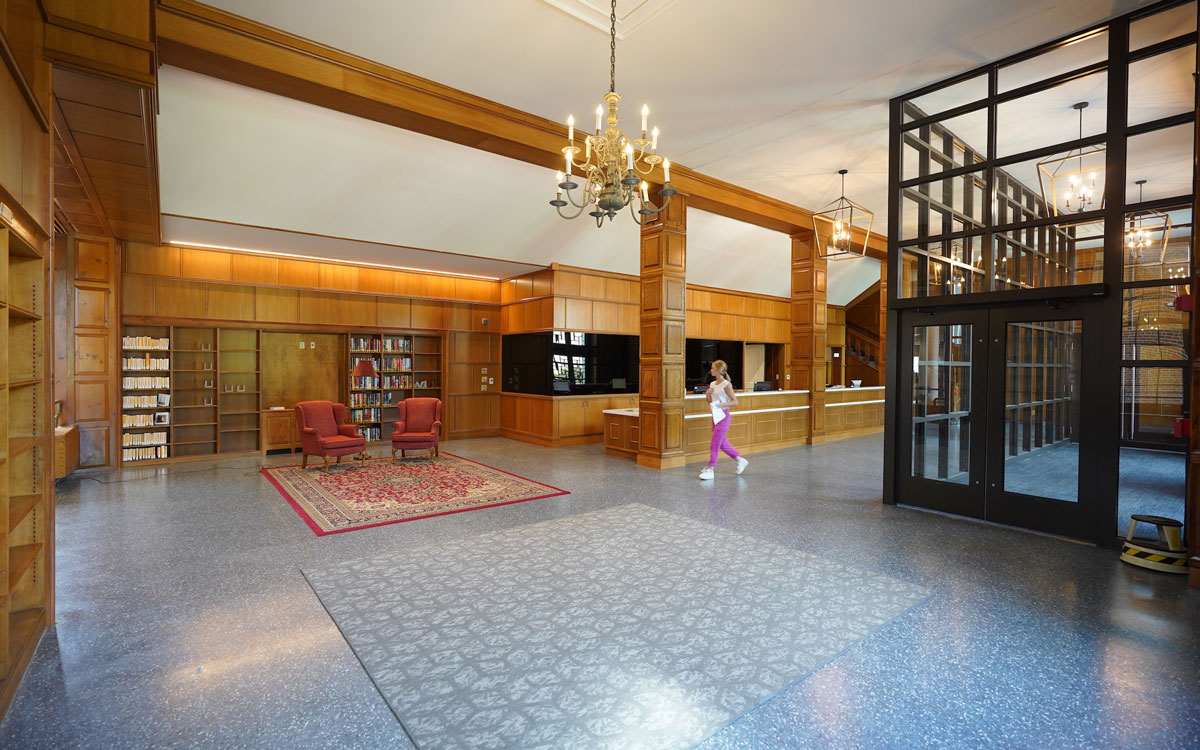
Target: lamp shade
point(365, 369)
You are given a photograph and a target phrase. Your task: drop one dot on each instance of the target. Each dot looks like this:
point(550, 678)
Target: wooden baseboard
point(621, 453)
point(527, 437)
point(661, 462)
point(466, 434)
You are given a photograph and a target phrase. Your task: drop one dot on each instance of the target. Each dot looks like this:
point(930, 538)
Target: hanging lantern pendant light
point(834, 227)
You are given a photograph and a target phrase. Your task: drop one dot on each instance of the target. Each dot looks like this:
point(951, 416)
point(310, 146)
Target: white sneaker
point(741, 465)
point(706, 473)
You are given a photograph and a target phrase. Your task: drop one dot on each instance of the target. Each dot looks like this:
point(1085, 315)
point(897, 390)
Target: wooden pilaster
point(807, 370)
point(663, 311)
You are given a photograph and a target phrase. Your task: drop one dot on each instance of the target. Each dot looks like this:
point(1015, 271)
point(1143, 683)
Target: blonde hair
point(721, 367)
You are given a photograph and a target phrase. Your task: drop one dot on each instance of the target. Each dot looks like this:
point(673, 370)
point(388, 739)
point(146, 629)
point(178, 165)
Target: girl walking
point(720, 394)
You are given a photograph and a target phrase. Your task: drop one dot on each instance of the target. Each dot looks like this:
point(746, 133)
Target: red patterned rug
point(352, 496)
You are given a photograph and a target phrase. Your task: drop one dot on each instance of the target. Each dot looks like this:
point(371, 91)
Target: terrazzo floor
point(184, 621)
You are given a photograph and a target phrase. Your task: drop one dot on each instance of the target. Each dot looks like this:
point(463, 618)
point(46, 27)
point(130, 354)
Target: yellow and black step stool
point(1167, 554)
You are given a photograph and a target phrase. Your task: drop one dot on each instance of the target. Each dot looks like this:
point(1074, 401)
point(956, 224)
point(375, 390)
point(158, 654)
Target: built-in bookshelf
point(408, 365)
point(145, 393)
point(26, 505)
point(205, 403)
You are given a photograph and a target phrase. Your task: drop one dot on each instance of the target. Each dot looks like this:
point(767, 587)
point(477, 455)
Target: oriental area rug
point(624, 628)
point(356, 496)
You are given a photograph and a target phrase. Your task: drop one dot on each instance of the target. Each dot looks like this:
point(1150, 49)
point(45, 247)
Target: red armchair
point(324, 432)
point(419, 425)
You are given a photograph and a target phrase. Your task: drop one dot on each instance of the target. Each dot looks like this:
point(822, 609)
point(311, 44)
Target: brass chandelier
point(613, 165)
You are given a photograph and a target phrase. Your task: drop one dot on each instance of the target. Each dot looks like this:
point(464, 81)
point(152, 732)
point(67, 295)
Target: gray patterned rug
point(623, 628)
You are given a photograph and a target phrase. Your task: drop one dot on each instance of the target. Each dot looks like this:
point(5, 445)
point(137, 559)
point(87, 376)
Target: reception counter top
point(762, 420)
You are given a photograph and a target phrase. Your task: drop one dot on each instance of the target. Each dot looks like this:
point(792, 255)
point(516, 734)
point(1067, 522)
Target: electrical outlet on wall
point(312, 345)
point(483, 370)
point(301, 344)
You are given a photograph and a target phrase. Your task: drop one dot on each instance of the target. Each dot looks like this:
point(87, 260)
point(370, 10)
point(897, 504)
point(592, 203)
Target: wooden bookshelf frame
point(426, 359)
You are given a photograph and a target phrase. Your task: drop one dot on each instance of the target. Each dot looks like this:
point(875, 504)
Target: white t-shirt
point(722, 394)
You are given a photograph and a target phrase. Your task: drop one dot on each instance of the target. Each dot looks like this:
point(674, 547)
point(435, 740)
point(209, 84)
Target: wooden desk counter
point(853, 411)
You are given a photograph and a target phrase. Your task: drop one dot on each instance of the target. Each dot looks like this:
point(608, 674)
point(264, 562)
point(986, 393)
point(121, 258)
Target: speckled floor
point(183, 620)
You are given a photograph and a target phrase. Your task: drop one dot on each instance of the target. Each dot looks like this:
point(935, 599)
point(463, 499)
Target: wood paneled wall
point(562, 298)
point(200, 264)
point(193, 285)
point(736, 316)
point(475, 404)
point(575, 299)
point(93, 361)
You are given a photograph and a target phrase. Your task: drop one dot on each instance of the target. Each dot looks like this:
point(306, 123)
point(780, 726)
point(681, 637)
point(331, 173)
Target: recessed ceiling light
point(330, 260)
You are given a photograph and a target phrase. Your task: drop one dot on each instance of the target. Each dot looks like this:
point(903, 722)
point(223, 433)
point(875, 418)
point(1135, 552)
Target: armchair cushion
point(349, 430)
point(342, 441)
point(414, 437)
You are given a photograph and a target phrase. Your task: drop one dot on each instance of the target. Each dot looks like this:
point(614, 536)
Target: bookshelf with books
point(145, 393)
point(407, 365)
point(204, 403)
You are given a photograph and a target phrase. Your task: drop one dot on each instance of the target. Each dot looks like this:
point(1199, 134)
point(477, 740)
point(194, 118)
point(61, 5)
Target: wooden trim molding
point(222, 45)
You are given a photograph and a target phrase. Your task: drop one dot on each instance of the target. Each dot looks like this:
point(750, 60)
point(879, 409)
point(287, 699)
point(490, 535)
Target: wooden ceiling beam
point(212, 42)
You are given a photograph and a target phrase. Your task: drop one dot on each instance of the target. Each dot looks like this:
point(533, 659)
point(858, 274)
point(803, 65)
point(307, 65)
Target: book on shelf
point(145, 382)
point(145, 363)
point(145, 342)
point(145, 420)
point(153, 401)
point(364, 343)
point(141, 454)
point(397, 381)
point(397, 344)
point(390, 362)
point(144, 438)
point(370, 414)
point(364, 398)
point(371, 433)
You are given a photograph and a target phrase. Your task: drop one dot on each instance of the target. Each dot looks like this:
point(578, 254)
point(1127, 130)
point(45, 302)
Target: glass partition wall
point(1040, 209)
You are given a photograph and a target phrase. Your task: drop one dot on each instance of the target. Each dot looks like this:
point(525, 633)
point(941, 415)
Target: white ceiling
point(772, 95)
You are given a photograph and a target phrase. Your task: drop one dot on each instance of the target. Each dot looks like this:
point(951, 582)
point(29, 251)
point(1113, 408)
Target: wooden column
point(663, 311)
point(807, 370)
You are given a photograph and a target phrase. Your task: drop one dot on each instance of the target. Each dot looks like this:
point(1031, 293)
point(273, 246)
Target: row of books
point(152, 401)
point(365, 415)
point(364, 398)
point(144, 438)
point(141, 454)
point(146, 420)
point(396, 344)
point(371, 433)
point(364, 382)
point(144, 382)
point(395, 363)
point(145, 363)
point(364, 343)
point(397, 381)
point(144, 342)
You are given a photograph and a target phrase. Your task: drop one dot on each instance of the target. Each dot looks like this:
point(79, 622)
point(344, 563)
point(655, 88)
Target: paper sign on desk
point(717, 413)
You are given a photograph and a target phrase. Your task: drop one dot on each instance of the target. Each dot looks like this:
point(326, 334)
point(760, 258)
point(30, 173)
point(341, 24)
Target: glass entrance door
point(1044, 445)
point(994, 406)
point(943, 382)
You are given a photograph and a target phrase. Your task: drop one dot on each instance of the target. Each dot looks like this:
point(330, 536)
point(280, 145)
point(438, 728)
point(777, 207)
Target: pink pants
point(720, 441)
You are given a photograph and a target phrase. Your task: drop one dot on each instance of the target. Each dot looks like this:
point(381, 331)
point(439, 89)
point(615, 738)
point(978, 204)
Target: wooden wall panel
point(322, 368)
point(301, 273)
point(392, 312)
point(276, 305)
point(94, 368)
point(231, 302)
point(180, 299)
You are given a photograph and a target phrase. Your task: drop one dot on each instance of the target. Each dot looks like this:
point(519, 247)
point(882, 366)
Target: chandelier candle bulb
point(645, 194)
point(571, 128)
point(654, 140)
point(629, 155)
point(666, 170)
point(645, 114)
point(599, 114)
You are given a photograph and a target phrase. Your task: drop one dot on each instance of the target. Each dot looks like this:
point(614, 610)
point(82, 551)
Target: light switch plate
point(483, 370)
point(301, 344)
point(483, 387)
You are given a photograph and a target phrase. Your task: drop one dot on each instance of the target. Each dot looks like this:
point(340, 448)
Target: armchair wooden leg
point(304, 461)
point(393, 453)
point(436, 451)
point(326, 463)
point(338, 460)
point(403, 454)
